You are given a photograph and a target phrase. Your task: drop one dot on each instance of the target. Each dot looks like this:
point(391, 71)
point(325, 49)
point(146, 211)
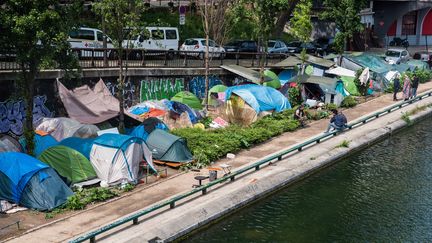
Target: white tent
point(340, 71)
point(116, 157)
point(62, 127)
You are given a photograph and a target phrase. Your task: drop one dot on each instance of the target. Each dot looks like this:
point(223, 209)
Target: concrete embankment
point(230, 196)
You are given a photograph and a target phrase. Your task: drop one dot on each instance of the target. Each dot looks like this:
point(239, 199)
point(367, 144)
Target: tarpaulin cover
point(62, 127)
point(350, 85)
point(179, 108)
point(82, 145)
point(89, 106)
point(140, 131)
point(274, 82)
point(341, 89)
point(27, 181)
point(41, 143)
point(9, 144)
point(168, 147)
point(286, 75)
point(340, 71)
point(260, 98)
point(69, 163)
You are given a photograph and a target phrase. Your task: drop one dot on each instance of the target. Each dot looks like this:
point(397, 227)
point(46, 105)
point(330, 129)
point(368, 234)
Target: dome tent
point(26, 181)
point(274, 82)
point(168, 147)
point(82, 145)
point(147, 127)
point(116, 157)
point(69, 163)
point(188, 98)
point(41, 143)
point(9, 144)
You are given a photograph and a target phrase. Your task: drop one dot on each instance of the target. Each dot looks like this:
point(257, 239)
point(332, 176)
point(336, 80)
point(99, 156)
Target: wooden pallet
point(170, 164)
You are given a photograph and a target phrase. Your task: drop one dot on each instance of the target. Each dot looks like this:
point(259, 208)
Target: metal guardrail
point(255, 166)
point(108, 58)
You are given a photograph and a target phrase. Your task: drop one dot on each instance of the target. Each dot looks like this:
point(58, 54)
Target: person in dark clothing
point(396, 86)
point(414, 86)
point(337, 122)
point(299, 115)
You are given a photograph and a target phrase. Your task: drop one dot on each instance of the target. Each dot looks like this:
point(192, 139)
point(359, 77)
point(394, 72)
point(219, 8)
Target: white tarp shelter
point(340, 71)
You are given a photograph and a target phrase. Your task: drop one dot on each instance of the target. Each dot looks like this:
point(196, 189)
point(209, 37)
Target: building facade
point(411, 19)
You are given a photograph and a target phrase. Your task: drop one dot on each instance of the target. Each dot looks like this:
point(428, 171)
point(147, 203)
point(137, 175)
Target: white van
point(155, 38)
point(88, 38)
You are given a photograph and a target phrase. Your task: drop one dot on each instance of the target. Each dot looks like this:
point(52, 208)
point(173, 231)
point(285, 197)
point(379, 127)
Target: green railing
point(255, 166)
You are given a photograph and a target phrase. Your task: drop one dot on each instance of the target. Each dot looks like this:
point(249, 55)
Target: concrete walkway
point(140, 198)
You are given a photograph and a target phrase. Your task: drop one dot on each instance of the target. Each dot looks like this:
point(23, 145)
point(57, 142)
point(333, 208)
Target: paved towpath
point(102, 214)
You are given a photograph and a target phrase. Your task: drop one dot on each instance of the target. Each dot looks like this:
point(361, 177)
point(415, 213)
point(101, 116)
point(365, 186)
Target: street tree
point(117, 16)
point(301, 25)
point(345, 14)
point(36, 33)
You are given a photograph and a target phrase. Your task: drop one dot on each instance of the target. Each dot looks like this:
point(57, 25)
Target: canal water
point(381, 194)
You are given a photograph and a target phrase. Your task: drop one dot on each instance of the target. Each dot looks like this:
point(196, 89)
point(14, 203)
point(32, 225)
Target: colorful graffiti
point(128, 92)
point(12, 114)
point(160, 89)
point(197, 85)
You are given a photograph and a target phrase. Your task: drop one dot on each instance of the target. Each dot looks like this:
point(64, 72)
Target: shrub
point(330, 106)
point(294, 96)
point(423, 75)
point(348, 102)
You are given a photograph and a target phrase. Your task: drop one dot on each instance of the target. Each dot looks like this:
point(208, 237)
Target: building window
point(409, 23)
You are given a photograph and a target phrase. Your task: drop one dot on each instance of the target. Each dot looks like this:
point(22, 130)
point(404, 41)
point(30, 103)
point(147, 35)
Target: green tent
point(187, 98)
point(69, 163)
point(274, 82)
point(168, 147)
point(215, 89)
point(350, 85)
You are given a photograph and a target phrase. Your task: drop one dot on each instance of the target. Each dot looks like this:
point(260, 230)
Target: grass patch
point(405, 117)
point(344, 144)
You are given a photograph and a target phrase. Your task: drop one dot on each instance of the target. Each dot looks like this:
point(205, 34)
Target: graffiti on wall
point(159, 89)
point(197, 85)
point(128, 92)
point(12, 114)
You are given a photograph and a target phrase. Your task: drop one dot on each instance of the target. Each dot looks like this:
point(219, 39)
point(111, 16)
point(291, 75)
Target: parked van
point(88, 38)
point(153, 39)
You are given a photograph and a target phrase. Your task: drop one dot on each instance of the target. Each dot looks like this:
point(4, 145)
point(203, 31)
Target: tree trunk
point(284, 17)
point(28, 87)
point(120, 92)
point(206, 26)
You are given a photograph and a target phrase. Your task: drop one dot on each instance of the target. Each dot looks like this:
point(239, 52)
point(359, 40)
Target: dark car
point(240, 46)
point(324, 46)
point(297, 47)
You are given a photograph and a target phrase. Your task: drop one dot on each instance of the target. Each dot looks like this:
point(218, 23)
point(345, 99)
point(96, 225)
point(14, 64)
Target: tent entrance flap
point(247, 73)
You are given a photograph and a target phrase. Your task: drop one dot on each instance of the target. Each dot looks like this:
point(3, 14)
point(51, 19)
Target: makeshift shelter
point(68, 163)
point(258, 98)
point(247, 73)
point(148, 126)
point(168, 147)
point(82, 145)
point(321, 87)
point(286, 76)
point(317, 61)
point(215, 90)
point(62, 127)
point(274, 82)
point(9, 144)
point(89, 106)
point(187, 98)
point(340, 71)
point(290, 62)
point(28, 182)
point(349, 85)
point(116, 157)
point(180, 108)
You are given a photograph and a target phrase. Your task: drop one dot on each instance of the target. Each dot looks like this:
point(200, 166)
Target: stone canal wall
point(231, 196)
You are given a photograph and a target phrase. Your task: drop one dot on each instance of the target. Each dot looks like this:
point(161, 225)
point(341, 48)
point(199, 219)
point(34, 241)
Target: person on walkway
point(396, 87)
point(337, 122)
point(415, 85)
point(300, 116)
point(406, 88)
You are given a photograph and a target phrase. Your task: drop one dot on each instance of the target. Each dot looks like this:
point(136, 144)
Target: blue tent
point(260, 98)
point(180, 108)
point(26, 181)
point(286, 75)
point(82, 145)
point(140, 131)
point(41, 143)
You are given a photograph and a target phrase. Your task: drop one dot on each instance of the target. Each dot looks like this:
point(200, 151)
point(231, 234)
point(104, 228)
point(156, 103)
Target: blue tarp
point(82, 145)
point(115, 140)
point(260, 98)
point(286, 75)
point(341, 89)
point(19, 168)
point(180, 108)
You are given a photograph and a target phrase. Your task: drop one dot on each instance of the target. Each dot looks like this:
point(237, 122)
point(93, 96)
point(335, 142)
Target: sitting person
point(337, 122)
point(300, 116)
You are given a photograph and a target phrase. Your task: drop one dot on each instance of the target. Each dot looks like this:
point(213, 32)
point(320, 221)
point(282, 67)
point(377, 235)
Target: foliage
point(330, 106)
point(210, 145)
point(344, 13)
point(343, 144)
point(406, 118)
point(301, 25)
point(294, 96)
point(423, 75)
point(206, 121)
point(37, 33)
point(317, 114)
point(128, 187)
point(348, 102)
point(86, 196)
point(362, 88)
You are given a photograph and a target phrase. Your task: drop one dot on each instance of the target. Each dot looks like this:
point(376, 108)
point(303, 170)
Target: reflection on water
point(382, 194)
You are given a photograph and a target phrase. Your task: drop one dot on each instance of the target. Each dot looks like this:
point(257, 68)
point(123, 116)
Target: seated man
point(337, 122)
point(299, 115)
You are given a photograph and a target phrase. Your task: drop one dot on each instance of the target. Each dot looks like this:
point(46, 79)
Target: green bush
point(294, 96)
point(423, 75)
point(330, 106)
point(317, 115)
point(348, 102)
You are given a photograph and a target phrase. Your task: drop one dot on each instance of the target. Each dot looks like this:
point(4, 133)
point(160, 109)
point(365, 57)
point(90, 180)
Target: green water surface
point(381, 194)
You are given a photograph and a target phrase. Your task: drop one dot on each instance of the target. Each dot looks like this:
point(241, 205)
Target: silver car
point(397, 56)
point(277, 46)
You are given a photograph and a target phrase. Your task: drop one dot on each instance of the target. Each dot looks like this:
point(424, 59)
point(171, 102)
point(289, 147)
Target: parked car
point(199, 45)
point(324, 46)
point(297, 47)
point(397, 56)
point(88, 38)
point(241, 46)
point(425, 56)
point(277, 46)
